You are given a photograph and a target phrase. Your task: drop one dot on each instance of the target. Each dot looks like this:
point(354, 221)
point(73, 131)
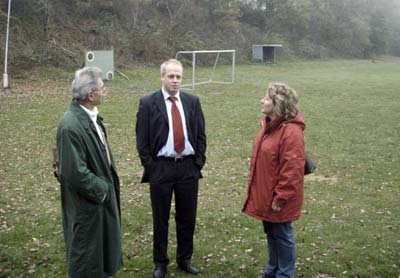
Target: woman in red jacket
point(276, 179)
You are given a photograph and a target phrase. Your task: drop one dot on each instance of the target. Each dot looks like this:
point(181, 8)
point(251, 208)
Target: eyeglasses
point(102, 89)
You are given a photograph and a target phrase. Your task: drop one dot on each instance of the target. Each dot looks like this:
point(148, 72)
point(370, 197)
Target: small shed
point(265, 52)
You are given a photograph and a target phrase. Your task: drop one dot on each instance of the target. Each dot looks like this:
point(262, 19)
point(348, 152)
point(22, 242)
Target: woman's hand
point(275, 207)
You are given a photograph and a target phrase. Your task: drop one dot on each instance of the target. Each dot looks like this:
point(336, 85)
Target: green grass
point(351, 217)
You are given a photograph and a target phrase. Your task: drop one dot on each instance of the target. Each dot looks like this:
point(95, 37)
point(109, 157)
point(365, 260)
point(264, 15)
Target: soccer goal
point(209, 66)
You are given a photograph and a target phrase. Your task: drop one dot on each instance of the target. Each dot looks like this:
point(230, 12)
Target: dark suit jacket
point(152, 128)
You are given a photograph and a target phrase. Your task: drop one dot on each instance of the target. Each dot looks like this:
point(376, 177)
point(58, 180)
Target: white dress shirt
point(168, 149)
point(93, 116)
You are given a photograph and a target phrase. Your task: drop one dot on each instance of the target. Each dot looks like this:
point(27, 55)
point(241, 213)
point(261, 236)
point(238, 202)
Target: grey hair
point(285, 100)
point(164, 65)
point(86, 81)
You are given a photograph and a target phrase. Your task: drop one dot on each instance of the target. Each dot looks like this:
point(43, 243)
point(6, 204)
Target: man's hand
point(275, 207)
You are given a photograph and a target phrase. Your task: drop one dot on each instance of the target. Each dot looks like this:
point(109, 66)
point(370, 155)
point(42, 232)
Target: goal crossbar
point(211, 79)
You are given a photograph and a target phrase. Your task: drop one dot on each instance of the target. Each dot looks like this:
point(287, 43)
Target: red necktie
point(179, 139)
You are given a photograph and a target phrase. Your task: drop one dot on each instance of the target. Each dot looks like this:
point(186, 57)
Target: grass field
point(350, 225)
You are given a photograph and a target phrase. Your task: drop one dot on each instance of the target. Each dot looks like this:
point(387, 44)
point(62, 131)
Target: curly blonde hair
point(285, 100)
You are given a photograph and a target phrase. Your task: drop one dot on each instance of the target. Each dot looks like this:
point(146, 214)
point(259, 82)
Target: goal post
point(195, 55)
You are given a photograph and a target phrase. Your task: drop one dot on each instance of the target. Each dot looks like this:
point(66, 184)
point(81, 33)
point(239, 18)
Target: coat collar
point(87, 123)
point(185, 104)
point(160, 103)
point(82, 116)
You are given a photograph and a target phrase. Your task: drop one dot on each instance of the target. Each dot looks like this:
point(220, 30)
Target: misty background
point(56, 32)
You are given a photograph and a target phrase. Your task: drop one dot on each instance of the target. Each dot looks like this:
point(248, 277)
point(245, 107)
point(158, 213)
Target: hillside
point(56, 32)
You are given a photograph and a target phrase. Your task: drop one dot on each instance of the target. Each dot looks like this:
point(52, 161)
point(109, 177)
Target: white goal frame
point(210, 80)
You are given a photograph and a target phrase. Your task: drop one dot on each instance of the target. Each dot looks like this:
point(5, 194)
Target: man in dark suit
point(171, 141)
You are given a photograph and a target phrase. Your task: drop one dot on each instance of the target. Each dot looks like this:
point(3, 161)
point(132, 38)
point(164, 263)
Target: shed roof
point(269, 45)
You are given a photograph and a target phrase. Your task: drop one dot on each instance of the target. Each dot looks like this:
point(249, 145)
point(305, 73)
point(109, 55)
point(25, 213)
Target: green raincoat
point(89, 197)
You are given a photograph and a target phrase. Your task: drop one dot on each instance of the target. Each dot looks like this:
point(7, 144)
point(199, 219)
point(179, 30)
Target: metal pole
point(5, 75)
point(214, 67)
point(193, 69)
point(233, 66)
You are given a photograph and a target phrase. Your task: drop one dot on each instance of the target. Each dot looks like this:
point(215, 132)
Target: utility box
point(103, 59)
point(265, 53)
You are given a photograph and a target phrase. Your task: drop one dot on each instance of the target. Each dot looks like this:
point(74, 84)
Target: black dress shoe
point(159, 272)
point(188, 268)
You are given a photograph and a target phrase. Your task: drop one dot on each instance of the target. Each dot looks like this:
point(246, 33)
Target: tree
point(378, 34)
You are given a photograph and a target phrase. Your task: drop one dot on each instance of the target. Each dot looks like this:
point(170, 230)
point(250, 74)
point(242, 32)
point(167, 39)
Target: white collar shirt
point(93, 116)
point(168, 149)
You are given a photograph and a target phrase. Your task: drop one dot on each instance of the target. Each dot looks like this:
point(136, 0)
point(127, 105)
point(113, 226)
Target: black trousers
point(182, 180)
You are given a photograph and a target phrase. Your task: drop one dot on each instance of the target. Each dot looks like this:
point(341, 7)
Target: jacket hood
point(298, 120)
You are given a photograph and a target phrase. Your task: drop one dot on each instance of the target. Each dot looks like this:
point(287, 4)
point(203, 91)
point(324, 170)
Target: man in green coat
point(89, 183)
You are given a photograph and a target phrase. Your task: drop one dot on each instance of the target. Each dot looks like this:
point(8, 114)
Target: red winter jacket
point(277, 171)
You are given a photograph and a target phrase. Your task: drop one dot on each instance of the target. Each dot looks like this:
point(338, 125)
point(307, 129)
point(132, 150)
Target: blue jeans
point(281, 250)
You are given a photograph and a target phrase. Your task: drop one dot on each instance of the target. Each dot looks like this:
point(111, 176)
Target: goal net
point(208, 66)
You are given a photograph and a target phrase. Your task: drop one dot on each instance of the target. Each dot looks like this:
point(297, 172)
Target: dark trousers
point(182, 180)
